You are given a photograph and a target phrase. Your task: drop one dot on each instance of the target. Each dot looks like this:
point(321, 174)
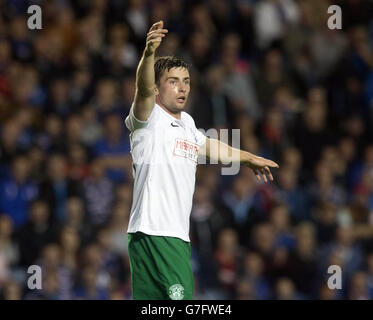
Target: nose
point(182, 87)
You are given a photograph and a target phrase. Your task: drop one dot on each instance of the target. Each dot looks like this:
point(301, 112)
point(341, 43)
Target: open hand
point(261, 166)
point(155, 36)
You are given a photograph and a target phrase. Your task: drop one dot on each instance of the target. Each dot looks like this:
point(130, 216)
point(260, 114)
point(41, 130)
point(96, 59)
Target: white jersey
point(164, 153)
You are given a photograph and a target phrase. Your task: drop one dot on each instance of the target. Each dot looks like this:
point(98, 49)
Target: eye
point(173, 82)
point(187, 82)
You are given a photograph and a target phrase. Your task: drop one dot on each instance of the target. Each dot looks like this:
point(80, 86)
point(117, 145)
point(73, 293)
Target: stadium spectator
point(9, 251)
point(299, 93)
point(57, 187)
point(77, 218)
point(254, 275)
point(36, 233)
point(17, 192)
point(98, 193)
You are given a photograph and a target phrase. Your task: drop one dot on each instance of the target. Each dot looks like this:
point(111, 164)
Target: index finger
point(157, 25)
point(272, 164)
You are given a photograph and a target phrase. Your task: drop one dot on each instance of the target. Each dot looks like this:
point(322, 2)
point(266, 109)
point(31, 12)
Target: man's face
point(173, 89)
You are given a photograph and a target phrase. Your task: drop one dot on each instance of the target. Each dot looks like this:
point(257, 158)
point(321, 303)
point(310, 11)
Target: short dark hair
point(166, 63)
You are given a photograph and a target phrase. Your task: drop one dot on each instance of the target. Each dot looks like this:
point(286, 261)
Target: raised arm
point(145, 80)
point(223, 153)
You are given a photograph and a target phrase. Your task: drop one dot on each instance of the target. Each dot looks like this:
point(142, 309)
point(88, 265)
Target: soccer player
point(165, 145)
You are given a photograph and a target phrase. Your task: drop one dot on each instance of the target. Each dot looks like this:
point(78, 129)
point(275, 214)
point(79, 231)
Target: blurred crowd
point(300, 93)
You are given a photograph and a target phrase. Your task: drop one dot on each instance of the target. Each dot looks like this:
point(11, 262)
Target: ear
point(156, 90)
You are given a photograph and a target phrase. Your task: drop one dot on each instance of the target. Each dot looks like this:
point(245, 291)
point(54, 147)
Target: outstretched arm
point(225, 154)
point(145, 80)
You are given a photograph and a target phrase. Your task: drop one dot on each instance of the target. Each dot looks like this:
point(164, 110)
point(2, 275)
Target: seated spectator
point(274, 132)
point(106, 101)
point(299, 93)
point(59, 280)
point(244, 202)
point(238, 82)
point(77, 166)
point(77, 219)
point(343, 251)
point(114, 148)
point(226, 256)
point(369, 273)
point(311, 129)
point(37, 158)
point(286, 290)
point(70, 244)
point(263, 241)
point(93, 257)
point(12, 290)
point(292, 194)
point(9, 146)
point(57, 187)
point(280, 220)
point(254, 274)
point(245, 290)
point(36, 233)
point(89, 288)
point(325, 293)
point(50, 288)
point(325, 216)
point(113, 263)
point(302, 265)
point(59, 100)
point(73, 130)
point(325, 189)
point(98, 193)
point(9, 251)
point(358, 288)
point(51, 138)
point(118, 40)
point(17, 192)
point(117, 225)
point(92, 129)
point(218, 110)
point(123, 193)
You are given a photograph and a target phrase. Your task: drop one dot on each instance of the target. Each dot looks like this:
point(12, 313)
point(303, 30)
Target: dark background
point(301, 94)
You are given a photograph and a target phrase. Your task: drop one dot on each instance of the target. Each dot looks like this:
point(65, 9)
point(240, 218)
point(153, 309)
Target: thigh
point(160, 267)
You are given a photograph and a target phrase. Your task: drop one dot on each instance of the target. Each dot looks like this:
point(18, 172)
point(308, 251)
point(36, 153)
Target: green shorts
point(160, 267)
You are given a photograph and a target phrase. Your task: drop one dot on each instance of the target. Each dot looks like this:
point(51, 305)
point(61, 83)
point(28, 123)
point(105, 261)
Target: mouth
point(181, 99)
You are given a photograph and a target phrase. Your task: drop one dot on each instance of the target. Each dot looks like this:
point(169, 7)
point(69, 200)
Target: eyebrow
point(186, 78)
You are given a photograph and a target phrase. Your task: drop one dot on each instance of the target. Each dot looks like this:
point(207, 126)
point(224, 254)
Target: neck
point(175, 115)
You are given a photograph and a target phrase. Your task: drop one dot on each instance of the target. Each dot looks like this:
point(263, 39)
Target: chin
point(179, 107)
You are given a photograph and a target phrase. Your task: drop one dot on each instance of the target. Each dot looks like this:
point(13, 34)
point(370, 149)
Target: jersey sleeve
point(132, 123)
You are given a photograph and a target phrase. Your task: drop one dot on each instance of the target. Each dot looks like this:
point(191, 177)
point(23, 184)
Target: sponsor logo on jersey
point(186, 149)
